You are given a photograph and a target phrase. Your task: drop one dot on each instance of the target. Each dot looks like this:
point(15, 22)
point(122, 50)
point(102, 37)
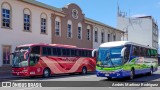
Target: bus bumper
point(20, 72)
point(118, 74)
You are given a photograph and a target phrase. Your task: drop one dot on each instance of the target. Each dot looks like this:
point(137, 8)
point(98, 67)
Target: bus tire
point(84, 70)
point(132, 74)
point(46, 72)
point(109, 78)
point(151, 70)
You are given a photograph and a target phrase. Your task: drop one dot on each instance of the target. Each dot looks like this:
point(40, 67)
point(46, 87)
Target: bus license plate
point(106, 74)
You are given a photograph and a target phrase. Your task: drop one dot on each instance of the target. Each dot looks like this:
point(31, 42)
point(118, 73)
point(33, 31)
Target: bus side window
point(76, 52)
point(68, 52)
point(49, 53)
point(83, 53)
point(73, 53)
point(144, 52)
point(54, 52)
point(148, 53)
point(59, 51)
point(34, 55)
point(140, 51)
point(44, 51)
point(135, 51)
point(88, 53)
point(80, 52)
point(127, 53)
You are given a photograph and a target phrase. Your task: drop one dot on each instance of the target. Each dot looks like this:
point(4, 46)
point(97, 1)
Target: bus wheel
point(151, 71)
point(109, 78)
point(46, 72)
point(84, 70)
point(132, 73)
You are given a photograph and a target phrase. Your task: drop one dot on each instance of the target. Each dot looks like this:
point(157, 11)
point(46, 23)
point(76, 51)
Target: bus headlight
point(118, 74)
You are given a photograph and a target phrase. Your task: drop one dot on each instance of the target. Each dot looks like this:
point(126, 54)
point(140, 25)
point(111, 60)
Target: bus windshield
point(18, 58)
point(109, 57)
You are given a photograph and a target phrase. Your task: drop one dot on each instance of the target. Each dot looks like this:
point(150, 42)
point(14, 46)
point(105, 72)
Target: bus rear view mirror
point(122, 51)
point(94, 52)
point(26, 55)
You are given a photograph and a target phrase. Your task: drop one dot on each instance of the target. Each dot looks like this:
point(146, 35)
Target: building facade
point(103, 33)
point(75, 29)
point(142, 30)
point(21, 23)
point(72, 29)
point(29, 21)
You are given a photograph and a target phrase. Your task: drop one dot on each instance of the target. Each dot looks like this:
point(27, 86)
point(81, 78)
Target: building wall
point(106, 31)
point(15, 35)
point(140, 30)
point(63, 39)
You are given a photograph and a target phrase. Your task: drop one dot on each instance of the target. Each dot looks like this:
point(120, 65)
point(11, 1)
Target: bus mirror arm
point(26, 55)
point(93, 52)
point(122, 51)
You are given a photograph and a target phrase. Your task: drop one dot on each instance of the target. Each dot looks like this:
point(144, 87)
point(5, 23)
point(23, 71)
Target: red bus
point(47, 59)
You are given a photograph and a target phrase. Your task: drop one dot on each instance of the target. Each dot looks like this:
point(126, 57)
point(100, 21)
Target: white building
point(104, 33)
point(21, 24)
point(142, 30)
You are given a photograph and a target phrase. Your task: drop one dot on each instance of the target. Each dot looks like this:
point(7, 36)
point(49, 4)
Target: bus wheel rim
point(84, 71)
point(46, 72)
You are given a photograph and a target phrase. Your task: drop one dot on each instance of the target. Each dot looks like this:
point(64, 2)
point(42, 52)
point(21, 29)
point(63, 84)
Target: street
point(89, 77)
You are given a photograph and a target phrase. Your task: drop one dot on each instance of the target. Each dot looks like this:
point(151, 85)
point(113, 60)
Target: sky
point(105, 11)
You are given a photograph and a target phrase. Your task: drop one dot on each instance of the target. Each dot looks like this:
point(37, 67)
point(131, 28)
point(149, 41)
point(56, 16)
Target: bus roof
point(121, 43)
point(56, 45)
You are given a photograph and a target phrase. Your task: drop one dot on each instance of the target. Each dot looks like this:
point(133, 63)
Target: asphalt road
point(85, 78)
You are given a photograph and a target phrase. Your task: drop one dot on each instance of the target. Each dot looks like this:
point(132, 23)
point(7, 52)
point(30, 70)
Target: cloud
point(139, 15)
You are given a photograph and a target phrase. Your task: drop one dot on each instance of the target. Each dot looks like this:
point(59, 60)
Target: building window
point(102, 37)
point(57, 26)
point(69, 30)
point(108, 37)
point(6, 15)
point(43, 23)
point(27, 20)
point(6, 54)
point(96, 36)
point(88, 32)
point(79, 31)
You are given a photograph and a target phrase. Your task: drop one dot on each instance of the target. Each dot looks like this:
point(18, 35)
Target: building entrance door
point(6, 54)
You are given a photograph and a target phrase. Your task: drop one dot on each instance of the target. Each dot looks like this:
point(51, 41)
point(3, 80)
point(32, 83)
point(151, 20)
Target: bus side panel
point(60, 65)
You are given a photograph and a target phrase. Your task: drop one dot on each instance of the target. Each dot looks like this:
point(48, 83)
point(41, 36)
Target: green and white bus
point(124, 59)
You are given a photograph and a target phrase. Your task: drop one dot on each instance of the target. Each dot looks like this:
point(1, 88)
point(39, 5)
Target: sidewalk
point(5, 72)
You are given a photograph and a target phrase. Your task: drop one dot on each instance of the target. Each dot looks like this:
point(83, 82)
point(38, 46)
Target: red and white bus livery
point(48, 59)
